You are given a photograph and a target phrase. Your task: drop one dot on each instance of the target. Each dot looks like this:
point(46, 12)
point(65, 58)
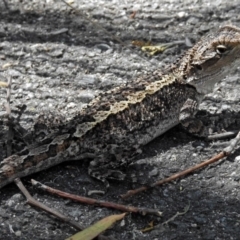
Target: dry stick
point(227, 151)
point(233, 144)
point(223, 135)
point(5, 4)
point(33, 202)
point(8, 110)
point(92, 201)
point(17, 181)
point(174, 176)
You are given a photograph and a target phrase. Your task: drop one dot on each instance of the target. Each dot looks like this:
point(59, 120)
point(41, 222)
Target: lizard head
point(211, 59)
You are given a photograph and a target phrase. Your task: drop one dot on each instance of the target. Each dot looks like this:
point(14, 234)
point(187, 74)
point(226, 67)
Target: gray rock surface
point(59, 62)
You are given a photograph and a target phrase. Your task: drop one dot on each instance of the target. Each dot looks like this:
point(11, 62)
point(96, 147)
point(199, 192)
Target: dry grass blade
point(97, 228)
point(3, 84)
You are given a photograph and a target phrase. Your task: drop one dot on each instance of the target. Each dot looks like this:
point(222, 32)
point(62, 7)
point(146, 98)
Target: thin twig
point(9, 85)
point(5, 4)
point(98, 26)
point(17, 181)
point(152, 227)
point(35, 203)
point(176, 215)
point(223, 135)
point(92, 201)
point(227, 151)
point(175, 176)
point(233, 143)
point(8, 110)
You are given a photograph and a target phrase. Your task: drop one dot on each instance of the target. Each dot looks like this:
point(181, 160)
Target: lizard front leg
point(103, 168)
point(106, 165)
point(189, 121)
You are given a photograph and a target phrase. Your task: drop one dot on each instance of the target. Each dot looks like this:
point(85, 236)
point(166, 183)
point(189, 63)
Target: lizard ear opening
point(197, 67)
point(221, 49)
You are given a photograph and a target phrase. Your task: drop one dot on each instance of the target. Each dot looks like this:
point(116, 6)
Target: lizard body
point(114, 126)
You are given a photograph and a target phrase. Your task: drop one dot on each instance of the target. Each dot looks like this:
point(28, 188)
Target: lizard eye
point(220, 49)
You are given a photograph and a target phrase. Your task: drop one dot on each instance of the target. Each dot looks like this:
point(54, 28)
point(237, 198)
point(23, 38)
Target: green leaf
point(97, 228)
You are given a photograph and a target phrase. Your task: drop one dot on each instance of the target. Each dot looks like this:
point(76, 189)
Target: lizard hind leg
point(103, 168)
point(189, 122)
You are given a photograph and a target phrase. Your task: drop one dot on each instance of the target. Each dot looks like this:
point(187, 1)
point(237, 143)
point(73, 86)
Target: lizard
point(114, 126)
